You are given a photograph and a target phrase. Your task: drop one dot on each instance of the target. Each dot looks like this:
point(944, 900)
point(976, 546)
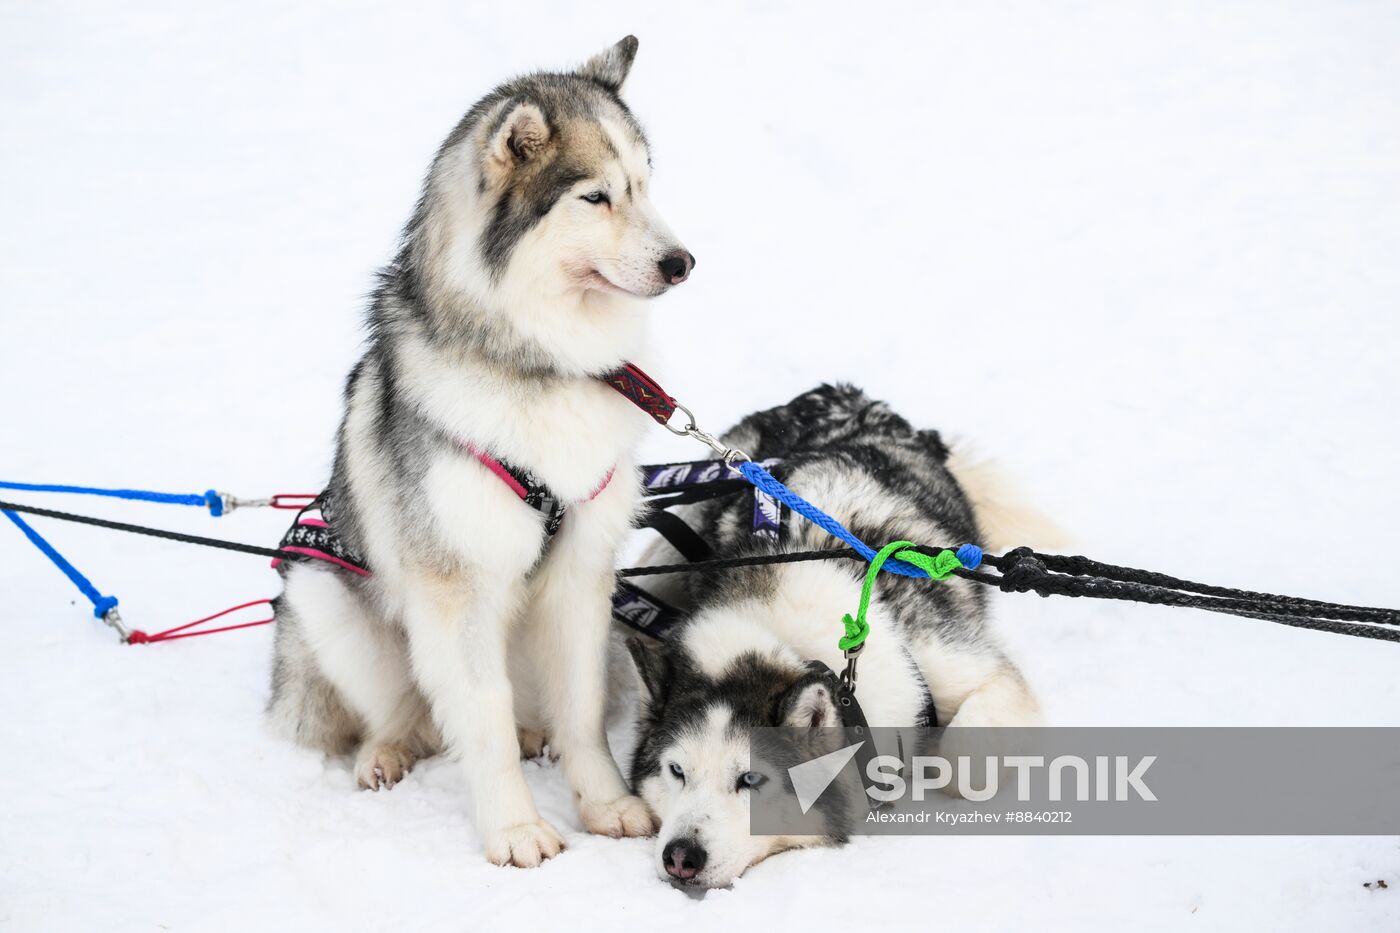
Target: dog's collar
point(851, 713)
point(852, 717)
point(641, 390)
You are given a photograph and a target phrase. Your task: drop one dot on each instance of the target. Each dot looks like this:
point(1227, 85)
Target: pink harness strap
point(321, 555)
point(521, 482)
point(601, 486)
point(531, 490)
point(495, 466)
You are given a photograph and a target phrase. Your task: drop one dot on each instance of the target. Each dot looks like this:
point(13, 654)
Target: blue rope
point(101, 605)
point(969, 555)
point(210, 500)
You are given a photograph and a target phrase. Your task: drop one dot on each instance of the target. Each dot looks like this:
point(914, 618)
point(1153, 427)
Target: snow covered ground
point(1144, 254)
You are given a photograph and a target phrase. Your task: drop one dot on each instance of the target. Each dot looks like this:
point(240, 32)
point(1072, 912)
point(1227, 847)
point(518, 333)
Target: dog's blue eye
point(750, 779)
point(676, 770)
point(596, 197)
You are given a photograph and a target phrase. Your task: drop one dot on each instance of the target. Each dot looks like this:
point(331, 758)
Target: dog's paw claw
point(524, 845)
point(382, 766)
point(625, 816)
point(533, 744)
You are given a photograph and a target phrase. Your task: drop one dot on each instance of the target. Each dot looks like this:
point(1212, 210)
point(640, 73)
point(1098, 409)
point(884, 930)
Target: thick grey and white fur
point(517, 284)
point(735, 660)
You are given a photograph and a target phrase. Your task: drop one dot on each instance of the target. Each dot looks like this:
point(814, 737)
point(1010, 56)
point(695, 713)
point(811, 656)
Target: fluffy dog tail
point(1002, 514)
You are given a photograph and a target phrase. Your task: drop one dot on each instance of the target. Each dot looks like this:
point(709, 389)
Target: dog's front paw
point(523, 845)
point(383, 766)
point(625, 816)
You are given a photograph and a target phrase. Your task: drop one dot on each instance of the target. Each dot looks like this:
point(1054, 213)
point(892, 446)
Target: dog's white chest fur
point(569, 432)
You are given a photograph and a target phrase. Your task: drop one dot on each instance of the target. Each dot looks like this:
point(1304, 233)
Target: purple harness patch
point(674, 477)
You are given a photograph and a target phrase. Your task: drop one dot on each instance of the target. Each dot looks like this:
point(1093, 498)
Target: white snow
point(1143, 254)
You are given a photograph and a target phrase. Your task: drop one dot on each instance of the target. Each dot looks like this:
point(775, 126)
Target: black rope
point(1083, 566)
point(730, 563)
point(1020, 571)
point(1026, 571)
point(152, 532)
point(1030, 579)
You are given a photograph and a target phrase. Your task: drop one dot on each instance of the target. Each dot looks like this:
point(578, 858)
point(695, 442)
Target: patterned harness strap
point(642, 612)
point(311, 536)
point(694, 475)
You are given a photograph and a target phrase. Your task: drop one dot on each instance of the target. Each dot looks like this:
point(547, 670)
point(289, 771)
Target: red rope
point(283, 500)
point(139, 637)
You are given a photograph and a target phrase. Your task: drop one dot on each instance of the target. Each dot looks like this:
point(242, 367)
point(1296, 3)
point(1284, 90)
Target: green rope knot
point(856, 630)
point(939, 566)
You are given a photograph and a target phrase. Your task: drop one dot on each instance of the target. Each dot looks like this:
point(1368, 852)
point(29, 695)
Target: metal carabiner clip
point(848, 676)
point(114, 619)
point(729, 455)
point(232, 502)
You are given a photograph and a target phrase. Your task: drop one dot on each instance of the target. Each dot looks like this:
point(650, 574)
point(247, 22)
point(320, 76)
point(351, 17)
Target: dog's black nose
point(684, 858)
point(675, 268)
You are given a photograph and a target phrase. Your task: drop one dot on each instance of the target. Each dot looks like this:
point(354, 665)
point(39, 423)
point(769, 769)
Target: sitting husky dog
point(445, 610)
point(737, 659)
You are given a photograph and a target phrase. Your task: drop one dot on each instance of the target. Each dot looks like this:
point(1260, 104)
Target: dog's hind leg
point(976, 685)
point(527, 690)
point(305, 706)
point(533, 743)
point(366, 661)
point(986, 705)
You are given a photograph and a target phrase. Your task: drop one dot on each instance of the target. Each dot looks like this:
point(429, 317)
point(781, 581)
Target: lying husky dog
point(468, 530)
point(737, 658)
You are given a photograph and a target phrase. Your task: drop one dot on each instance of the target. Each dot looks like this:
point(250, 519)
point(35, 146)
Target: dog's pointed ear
point(521, 135)
point(654, 668)
point(609, 67)
point(808, 704)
